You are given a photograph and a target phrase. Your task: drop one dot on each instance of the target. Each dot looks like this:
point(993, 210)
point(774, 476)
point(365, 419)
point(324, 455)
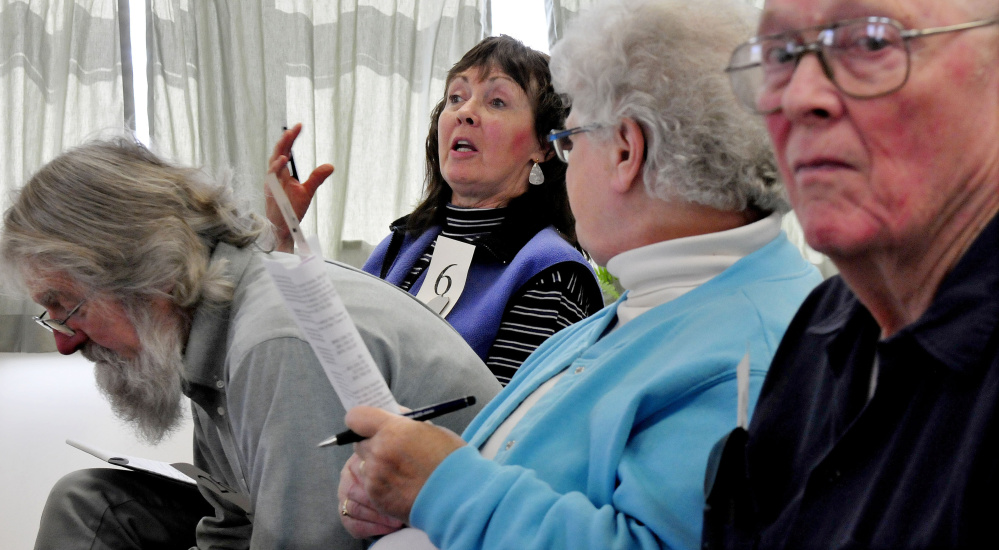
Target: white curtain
point(559, 12)
point(361, 75)
point(60, 83)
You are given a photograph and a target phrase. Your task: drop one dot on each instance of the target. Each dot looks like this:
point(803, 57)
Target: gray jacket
point(261, 400)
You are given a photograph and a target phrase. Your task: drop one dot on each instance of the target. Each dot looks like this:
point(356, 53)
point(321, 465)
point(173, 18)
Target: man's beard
point(145, 390)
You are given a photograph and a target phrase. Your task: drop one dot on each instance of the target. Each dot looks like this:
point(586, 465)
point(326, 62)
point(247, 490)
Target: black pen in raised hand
point(291, 159)
point(426, 413)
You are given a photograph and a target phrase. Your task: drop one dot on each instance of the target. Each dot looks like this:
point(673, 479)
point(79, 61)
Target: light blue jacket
point(614, 455)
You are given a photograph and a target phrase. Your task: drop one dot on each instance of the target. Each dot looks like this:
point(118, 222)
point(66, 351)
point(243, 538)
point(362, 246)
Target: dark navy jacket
point(914, 467)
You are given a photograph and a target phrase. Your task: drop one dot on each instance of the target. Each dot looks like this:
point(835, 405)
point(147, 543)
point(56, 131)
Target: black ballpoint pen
point(426, 413)
point(291, 159)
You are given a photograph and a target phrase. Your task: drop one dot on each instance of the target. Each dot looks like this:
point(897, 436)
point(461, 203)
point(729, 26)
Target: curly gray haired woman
point(602, 439)
point(661, 65)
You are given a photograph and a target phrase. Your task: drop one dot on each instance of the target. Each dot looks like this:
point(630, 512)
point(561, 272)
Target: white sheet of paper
point(447, 272)
point(320, 314)
point(742, 382)
point(407, 538)
point(287, 212)
point(134, 463)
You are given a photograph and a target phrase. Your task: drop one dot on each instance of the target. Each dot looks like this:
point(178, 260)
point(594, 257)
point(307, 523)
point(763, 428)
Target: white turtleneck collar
point(660, 272)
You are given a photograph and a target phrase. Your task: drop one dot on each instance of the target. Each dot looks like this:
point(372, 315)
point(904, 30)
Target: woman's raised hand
point(299, 193)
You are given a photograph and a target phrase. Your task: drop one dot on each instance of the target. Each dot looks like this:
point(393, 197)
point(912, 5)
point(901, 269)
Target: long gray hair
point(660, 62)
point(116, 218)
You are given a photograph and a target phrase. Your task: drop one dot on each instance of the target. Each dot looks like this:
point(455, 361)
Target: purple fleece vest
point(490, 284)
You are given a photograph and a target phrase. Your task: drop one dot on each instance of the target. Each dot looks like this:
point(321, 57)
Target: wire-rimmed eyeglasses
point(562, 141)
point(864, 58)
point(59, 325)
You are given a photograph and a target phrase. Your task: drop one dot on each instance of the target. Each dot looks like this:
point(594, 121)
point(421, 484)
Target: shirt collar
point(501, 243)
point(660, 272)
point(963, 317)
point(960, 321)
point(204, 356)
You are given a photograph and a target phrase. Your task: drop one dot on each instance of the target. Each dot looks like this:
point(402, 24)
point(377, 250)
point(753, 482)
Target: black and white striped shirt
point(552, 300)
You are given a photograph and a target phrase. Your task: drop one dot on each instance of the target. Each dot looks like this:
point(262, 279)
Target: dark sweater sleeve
point(550, 301)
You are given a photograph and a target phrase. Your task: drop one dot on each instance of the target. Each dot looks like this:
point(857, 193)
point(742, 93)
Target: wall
point(46, 398)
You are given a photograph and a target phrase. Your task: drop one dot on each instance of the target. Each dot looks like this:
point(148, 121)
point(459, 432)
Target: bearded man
point(153, 273)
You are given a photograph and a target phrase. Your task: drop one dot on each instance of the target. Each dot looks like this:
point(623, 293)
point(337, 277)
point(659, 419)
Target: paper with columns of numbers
point(320, 314)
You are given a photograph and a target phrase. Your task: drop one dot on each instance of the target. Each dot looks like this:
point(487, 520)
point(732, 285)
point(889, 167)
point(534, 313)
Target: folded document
point(179, 471)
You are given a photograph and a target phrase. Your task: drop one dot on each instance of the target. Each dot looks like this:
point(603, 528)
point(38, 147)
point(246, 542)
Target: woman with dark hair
point(492, 182)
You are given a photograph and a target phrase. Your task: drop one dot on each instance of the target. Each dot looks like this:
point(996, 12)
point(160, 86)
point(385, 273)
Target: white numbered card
point(446, 276)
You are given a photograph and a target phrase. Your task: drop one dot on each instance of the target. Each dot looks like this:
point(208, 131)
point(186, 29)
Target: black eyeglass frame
point(824, 40)
point(59, 325)
point(556, 137)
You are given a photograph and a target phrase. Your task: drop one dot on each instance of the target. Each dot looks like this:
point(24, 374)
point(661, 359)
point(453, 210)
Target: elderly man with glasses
point(878, 423)
point(59, 325)
point(153, 272)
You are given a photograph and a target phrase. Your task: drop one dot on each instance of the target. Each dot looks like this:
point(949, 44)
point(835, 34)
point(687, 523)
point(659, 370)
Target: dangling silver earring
point(537, 177)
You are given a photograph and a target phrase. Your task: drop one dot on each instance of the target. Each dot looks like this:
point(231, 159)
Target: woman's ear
point(629, 154)
point(546, 149)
